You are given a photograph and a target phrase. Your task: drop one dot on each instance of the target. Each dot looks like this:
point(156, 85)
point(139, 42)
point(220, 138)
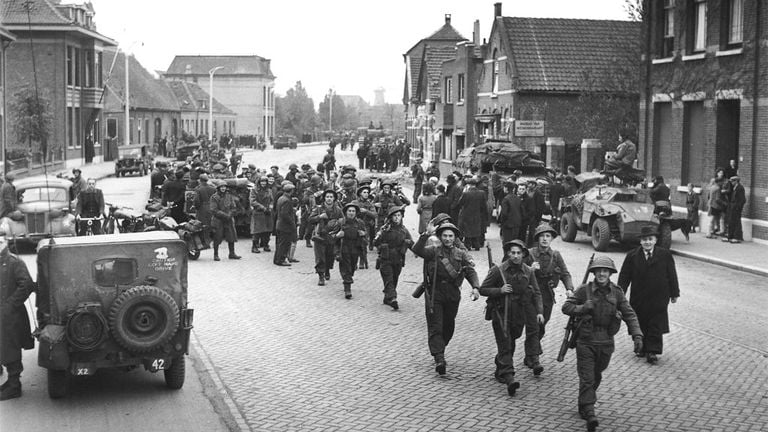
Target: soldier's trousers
point(323, 256)
point(441, 323)
point(416, 192)
point(522, 314)
point(347, 265)
point(548, 300)
point(591, 361)
point(390, 273)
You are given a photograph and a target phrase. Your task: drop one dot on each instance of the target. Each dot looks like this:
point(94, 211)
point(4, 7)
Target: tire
point(568, 227)
point(174, 375)
point(193, 254)
point(143, 318)
point(58, 383)
point(665, 236)
point(601, 235)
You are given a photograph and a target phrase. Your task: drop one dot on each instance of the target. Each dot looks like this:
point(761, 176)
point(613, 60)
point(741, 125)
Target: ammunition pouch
point(419, 291)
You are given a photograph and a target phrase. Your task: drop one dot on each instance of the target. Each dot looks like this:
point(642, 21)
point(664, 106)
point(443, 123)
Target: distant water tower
point(379, 98)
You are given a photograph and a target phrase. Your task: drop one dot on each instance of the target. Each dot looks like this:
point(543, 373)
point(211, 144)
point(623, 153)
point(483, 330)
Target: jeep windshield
point(44, 194)
point(130, 153)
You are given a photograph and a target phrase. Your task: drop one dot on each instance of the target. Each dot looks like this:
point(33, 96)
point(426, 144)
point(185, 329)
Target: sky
point(351, 46)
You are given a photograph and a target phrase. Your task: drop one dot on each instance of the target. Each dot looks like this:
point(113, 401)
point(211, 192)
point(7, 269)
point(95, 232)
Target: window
point(495, 75)
point(78, 127)
point(76, 65)
point(89, 68)
point(732, 24)
point(115, 271)
point(99, 71)
point(461, 88)
point(697, 36)
point(111, 128)
point(448, 90)
point(666, 34)
point(146, 130)
point(70, 70)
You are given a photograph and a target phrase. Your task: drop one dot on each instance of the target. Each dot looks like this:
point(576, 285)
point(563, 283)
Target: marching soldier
point(549, 268)
point(392, 240)
point(447, 266)
point(323, 218)
point(351, 232)
point(368, 215)
point(596, 304)
point(514, 302)
point(384, 200)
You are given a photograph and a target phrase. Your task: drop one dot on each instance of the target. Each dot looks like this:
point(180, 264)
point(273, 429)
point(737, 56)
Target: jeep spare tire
point(143, 318)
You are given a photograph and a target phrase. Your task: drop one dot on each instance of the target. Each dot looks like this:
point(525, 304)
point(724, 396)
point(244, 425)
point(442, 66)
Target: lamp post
point(210, 102)
point(128, 94)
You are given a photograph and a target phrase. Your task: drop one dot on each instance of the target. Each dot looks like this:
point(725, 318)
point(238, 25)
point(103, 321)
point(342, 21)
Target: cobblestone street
point(296, 356)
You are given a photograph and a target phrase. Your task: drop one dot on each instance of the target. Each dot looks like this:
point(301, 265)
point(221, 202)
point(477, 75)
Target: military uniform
point(392, 242)
point(598, 306)
point(446, 269)
point(351, 245)
point(223, 207)
point(285, 226)
point(552, 269)
point(523, 305)
point(323, 242)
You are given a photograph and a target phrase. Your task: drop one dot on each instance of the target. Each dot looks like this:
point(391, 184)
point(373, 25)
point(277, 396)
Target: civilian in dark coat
point(528, 206)
point(442, 204)
point(556, 191)
point(473, 215)
point(660, 196)
point(453, 193)
point(736, 202)
point(511, 214)
point(285, 226)
point(651, 273)
point(15, 333)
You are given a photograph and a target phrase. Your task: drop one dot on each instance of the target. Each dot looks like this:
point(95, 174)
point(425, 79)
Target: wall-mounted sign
point(529, 128)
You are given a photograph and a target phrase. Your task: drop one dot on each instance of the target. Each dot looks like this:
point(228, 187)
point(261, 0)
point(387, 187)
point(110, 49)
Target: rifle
point(503, 319)
point(572, 325)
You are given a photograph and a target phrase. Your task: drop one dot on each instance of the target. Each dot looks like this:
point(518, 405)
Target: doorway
point(727, 145)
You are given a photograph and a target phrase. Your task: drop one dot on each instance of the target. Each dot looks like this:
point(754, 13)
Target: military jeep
point(113, 301)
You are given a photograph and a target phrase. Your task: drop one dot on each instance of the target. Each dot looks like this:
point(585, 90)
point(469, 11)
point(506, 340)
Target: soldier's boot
point(512, 385)
point(592, 423)
point(309, 243)
point(232, 254)
point(320, 279)
point(440, 364)
point(216, 253)
point(11, 389)
point(536, 366)
point(291, 253)
point(347, 291)
point(328, 274)
point(255, 246)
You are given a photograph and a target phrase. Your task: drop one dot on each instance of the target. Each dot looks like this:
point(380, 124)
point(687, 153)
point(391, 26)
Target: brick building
point(59, 50)
point(536, 69)
point(706, 99)
point(423, 62)
point(5, 39)
point(245, 84)
point(193, 102)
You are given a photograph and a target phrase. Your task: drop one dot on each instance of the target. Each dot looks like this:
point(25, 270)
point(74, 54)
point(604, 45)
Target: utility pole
point(210, 102)
point(330, 110)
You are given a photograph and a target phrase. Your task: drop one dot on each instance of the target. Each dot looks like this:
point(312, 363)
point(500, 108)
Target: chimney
point(476, 33)
point(497, 10)
point(447, 19)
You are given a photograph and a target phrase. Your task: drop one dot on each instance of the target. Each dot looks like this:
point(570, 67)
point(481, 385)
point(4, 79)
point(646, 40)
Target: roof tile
point(233, 65)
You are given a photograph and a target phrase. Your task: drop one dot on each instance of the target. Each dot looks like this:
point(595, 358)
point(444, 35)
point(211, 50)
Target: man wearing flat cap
point(650, 274)
point(736, 200)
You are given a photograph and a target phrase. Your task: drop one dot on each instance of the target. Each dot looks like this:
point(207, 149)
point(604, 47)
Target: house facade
point(245, 84)
point(59, 55)
point(706, 98)
point(194, 104)
point(536, 71)
point(423, 63)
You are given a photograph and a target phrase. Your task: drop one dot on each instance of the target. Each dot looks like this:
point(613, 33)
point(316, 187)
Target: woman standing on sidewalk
point(424, 208)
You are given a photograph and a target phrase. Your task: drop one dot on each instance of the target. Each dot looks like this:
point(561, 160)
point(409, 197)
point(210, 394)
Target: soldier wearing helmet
point(350, 232)
point(549, 268)
point(392, 240)
point(223, 207)
point(323, 219)
point(311, 196)
point(285, 225)
point(368, 215)
point(514, 303)
point(446, 267)
point(386, 199)
point(596, 304)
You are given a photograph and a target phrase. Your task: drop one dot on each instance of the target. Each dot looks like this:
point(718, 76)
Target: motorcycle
point(192, 231)
point(124, 219)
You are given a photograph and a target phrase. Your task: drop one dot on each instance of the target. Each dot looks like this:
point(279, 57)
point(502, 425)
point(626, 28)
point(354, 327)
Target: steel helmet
point(602, 261)
point(519, 243)
point(395, 209)
point(542, 228)
point(448, 226)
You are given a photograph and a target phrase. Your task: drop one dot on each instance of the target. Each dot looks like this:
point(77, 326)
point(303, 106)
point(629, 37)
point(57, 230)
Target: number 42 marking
point(158, 364)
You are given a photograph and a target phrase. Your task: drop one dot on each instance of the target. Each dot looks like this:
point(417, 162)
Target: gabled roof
point(553, 54)
point(189, 94)
point(233, 65)
point(432, 65)
point(45, 15)
point(146, 91)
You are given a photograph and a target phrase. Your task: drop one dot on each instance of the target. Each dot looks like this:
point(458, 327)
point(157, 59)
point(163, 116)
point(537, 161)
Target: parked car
point(133, 159)
point(43, 210)
point(114, 301)
point(284, 141)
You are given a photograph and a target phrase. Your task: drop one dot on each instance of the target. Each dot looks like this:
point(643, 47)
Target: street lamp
point(127, 94)
point(210, 102)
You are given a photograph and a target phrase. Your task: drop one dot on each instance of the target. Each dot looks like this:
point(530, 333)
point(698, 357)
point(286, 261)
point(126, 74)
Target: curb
point(720, 262)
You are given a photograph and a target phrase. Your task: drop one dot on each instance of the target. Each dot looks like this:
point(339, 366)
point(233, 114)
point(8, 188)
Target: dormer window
point(495, 75)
